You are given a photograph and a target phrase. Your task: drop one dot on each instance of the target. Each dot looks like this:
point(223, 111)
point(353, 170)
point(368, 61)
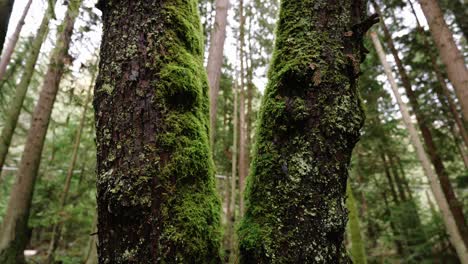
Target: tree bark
point(57, 228)
point(6, 56)
point(309, 123)
point(449, 52)
point(242, 122)
point(454, 204)
point(456, 236)
point(155, 179)
point(5, 11)
point(14, 111)
point(14, 230)
point(215, 60)
point(231, 220)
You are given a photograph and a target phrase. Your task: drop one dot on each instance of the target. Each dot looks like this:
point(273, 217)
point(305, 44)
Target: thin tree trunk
point(310, 113)
point(454, 204)
point(57, 228)
point(242, 122)
point(231, 221)
point(6, 56)
point(215, 60)
point(28, 71)
point(156, 194)
point(389, 179)
point(5, 11)
point(449, 52)
point(15, 226)
point(450, 224)
point(358, 250)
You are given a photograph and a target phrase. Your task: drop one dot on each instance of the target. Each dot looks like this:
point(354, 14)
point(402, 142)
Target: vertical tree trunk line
point(456, 236)
point(242, 121)
point(454, 204)
point(358, 249)
point(215, 60)
point(6, 55)
point(155, 175)
point(22, 88)
point(310, 112)
point(14, 235)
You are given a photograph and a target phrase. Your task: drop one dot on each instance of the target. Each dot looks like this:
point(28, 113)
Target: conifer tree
point(309, 123)
point(155, 182)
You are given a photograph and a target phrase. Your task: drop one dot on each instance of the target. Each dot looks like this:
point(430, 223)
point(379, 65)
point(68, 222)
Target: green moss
point(309, 122)
point(170, 186)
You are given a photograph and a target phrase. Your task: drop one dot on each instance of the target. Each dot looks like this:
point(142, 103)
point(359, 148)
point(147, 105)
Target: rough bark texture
point(6, 56)
point(456, 237)
point(431, 148)
point(155, 185)
point(449, 53)
point(242, 122)
point(5, 11)
point(358, 249)
point(215, 60)
point(309, 122)
point(14, 231)
point(14, 111)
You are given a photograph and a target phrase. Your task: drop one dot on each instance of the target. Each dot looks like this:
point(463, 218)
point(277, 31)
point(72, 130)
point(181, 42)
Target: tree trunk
point(57, 228)
point(358, 249)
point(454, 204)
point(242, 122)
point(13, 114)
point(449, 52)
point(309, 123)
point(15, 226)
point(6, 56)
point(155, 185)
point(215, 60)
point(5, 11)
point(231, 220)
point(450, 224)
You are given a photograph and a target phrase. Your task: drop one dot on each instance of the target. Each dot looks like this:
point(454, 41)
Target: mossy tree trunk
point(310, 119)
point(14, 111)
point(5, 11)
point(155, 186)
point(14, 231)
point(358, 249)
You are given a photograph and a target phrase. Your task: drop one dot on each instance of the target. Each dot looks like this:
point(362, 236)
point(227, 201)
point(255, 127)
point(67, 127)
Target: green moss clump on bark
point(155, 122)
point(310, 119)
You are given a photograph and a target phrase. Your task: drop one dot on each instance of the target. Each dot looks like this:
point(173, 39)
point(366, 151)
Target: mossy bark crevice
point(310, 120)
point(156, 189)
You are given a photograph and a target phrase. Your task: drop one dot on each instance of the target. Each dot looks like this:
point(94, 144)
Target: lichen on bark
point(156, 190)
point(310, 120)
